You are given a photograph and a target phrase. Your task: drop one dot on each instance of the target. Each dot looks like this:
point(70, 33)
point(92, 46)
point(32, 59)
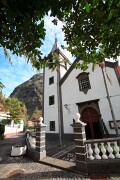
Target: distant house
point(4, 115)
point(11, 129)
point(68, 90)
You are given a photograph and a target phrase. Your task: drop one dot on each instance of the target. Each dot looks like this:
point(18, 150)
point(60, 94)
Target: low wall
point(36, 143)
point(110, 166)
point(11, 131)
point(30, 148)
point(96, 156)
point(104, 160)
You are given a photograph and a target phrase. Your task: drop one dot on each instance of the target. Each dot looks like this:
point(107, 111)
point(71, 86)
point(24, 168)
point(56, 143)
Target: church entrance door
point(90, 116)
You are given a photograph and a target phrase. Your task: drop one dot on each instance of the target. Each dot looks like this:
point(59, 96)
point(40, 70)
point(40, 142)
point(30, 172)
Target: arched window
point(84, 82)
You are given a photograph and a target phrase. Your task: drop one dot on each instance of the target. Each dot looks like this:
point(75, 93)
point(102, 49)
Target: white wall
point(72, 95)
point(15, 129)
point(106, 113)
point(68, 115)
point(50, 111)
point(4, 115)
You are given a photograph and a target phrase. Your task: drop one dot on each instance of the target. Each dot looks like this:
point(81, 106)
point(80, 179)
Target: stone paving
point(24, 168)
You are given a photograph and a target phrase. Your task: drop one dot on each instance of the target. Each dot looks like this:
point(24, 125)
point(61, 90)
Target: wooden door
point(90, 116)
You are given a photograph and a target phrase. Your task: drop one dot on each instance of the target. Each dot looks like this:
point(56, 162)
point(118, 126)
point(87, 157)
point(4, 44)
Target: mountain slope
point(30, 92)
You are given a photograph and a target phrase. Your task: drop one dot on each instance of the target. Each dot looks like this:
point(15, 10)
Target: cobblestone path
point(23, 168)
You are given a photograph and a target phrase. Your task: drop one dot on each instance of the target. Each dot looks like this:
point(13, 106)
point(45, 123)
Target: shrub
point(30, 127)
point(6, 121)
point(2, 137)
point(2, 129)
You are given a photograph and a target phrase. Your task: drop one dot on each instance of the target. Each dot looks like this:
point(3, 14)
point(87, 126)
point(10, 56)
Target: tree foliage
point(17, 109)
point(1, 86)
point(91, 27)
point(2, 98)
point(92, 30)
point(36, 115)
point(6, 121)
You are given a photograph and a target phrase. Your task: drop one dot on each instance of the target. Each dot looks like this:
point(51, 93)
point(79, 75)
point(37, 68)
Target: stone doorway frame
point(93, 104)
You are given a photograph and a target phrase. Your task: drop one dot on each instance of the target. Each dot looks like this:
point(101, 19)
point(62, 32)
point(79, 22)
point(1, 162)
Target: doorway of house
point(90, 116)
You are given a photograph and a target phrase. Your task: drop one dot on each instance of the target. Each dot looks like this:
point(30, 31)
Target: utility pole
point(110, 104)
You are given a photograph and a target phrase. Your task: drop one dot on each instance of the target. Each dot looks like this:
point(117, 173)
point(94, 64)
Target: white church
point(93, 94)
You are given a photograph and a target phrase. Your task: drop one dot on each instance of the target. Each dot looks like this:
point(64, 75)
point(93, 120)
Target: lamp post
point(109, 100)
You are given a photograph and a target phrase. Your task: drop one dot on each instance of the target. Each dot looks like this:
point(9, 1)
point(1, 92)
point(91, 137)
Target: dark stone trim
point(88, 102)
point(40, 139)
point(79, 130)
point(40, 143)
point(91, 141)
point(81, 157)
point(36, 156)
point(76, 125)
point(40, 149)
point(40, 134)
point(109, 166)
point(80, 149)
point(79, 143)
point(80, 136)
point(39, 155)
point(41, 128)
point(82, 167)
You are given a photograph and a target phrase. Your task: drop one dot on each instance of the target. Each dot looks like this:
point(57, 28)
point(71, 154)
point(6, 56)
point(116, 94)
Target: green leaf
point(110, 15)
point(4, 2)
point(95, 2)
point(87, 7)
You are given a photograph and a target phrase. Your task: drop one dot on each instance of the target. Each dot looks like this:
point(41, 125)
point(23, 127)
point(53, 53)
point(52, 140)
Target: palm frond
point(7, 55)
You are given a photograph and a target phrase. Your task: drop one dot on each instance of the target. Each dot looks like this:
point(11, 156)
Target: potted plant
point(18, 150)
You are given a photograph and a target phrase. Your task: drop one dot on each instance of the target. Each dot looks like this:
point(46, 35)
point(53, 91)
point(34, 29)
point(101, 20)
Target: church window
point(51, 80)
point(52, 125)
point(51, 100)
point(50, 63)
point(84, 83)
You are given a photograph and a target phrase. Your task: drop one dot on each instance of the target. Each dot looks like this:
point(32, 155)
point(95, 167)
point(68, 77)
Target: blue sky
point(20, 71)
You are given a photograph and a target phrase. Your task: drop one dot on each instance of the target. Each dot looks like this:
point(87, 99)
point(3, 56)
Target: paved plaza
point(24, 168)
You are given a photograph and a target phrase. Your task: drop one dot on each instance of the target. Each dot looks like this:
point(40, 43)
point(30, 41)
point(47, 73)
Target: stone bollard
point(40, 150)
point(80, 147)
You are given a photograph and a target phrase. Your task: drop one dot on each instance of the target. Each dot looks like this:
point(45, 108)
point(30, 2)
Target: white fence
point(103, 148)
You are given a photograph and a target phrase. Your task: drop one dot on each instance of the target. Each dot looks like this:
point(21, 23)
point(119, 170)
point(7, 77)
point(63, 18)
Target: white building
point(68, 91)
point(4, 115)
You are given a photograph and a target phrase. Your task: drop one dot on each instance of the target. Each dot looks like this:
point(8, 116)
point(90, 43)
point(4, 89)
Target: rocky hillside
point(30, 92)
